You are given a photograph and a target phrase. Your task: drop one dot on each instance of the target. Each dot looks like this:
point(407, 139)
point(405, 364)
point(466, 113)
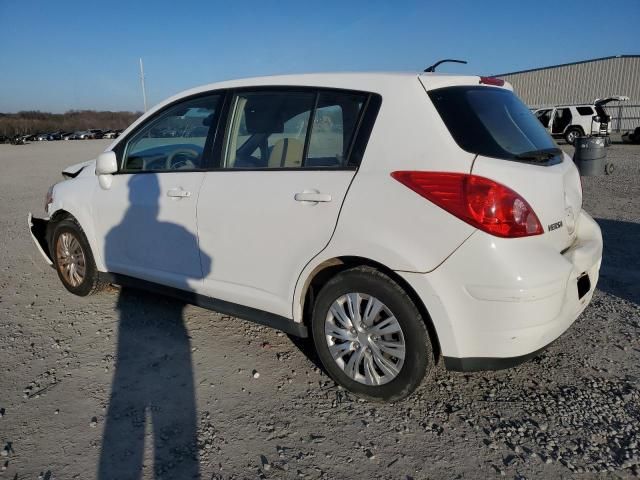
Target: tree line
point(33, 122)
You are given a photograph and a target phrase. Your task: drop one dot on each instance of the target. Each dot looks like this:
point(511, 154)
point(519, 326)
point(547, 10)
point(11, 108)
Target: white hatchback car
point(395, 218)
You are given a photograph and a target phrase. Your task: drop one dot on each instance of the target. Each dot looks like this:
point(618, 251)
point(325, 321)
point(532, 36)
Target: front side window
point(282, 129)
point(174, 140)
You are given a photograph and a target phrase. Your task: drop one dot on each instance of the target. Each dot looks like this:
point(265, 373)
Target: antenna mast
point(144, 93)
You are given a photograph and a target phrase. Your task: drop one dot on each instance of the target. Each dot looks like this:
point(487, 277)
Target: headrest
point(261, 116)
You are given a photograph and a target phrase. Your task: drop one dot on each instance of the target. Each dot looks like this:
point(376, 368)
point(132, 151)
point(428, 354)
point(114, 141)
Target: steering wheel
point(185, 162)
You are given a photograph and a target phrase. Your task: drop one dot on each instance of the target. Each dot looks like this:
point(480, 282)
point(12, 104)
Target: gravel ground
point(201, 395)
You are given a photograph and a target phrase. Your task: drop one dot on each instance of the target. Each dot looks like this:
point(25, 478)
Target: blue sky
point(56, 56)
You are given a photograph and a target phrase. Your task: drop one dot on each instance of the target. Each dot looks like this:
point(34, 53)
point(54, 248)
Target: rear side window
point(585, 110)
point(292, 129)
point(490, 121)
point(334, 124)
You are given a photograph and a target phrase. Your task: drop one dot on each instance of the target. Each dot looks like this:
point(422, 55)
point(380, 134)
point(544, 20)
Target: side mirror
point(106, 165)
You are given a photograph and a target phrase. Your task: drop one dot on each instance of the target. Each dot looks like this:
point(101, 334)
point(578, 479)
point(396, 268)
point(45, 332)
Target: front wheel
point(370, 336)
point(73, 259)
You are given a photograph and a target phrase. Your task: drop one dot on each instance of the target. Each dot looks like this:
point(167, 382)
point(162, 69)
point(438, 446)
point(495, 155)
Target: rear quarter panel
point(381, 219)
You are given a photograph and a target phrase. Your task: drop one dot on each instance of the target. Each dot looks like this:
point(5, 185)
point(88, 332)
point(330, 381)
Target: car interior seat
point(286, 152)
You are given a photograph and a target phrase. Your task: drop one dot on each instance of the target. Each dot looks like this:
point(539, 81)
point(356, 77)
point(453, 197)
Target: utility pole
point(144, 93)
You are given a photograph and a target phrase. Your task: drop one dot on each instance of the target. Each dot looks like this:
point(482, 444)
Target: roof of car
point(368, 81)
point(376, 82)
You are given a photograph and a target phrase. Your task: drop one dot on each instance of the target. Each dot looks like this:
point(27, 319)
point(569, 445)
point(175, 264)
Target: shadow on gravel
point(308, 349)
point(153, 378)
point(620, 271)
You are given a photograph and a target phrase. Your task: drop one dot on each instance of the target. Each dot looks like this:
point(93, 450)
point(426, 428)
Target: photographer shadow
point(153, 386)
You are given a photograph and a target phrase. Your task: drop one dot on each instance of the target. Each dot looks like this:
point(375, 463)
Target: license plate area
point(584, 285)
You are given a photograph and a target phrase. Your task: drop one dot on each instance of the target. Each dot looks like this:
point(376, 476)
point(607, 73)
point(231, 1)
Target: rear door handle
point(312, 196)
point(178, 193)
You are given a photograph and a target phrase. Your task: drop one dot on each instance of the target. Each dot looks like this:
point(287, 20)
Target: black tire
point(90, 282)
point(419, 358)
point(571, 135)
point(609, 168)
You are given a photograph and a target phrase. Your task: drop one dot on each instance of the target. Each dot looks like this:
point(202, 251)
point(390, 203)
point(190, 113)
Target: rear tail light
point(479, 201)
point(492, 81)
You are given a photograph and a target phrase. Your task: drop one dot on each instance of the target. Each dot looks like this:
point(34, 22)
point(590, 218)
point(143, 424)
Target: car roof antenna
point(432, 68)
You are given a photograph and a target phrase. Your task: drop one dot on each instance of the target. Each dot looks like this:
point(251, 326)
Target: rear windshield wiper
point(541, 155)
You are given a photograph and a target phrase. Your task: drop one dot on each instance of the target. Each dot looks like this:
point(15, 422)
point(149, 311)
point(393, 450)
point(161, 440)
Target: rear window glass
point(490, 121)
point(585, 110)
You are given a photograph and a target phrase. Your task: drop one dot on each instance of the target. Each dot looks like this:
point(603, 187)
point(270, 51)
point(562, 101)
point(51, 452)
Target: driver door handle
point(178, 193)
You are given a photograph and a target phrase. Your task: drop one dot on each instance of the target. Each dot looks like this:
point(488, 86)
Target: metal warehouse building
point(583, 82)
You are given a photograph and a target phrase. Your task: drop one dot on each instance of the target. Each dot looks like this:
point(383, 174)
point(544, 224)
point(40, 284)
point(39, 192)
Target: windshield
point(490, 121)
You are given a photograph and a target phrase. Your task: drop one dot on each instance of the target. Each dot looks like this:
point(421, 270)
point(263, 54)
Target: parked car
point(387, 246)
point(573, 121)
point(111, 133)
point(631, 136)
point(41, 137)
point(68, 136)
point(95, 133)
point(55, 136)
point(82, 135)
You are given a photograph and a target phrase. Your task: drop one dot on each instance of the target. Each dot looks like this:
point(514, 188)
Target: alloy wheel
point(70, 259)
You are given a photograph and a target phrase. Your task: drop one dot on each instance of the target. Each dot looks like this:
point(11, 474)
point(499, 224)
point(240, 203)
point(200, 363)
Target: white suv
point(573, 121)
point(395, 218)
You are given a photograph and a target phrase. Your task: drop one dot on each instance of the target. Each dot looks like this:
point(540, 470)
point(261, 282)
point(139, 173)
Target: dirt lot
point(185, 401)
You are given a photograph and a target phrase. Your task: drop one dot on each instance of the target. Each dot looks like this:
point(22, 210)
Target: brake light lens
point(498, 82)
point(479, 201)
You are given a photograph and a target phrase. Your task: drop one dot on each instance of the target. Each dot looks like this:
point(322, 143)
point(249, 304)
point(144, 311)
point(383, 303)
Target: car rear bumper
point(498, 302)
point(38, 230)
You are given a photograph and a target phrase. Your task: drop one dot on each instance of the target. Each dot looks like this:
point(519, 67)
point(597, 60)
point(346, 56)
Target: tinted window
point(490, 121)
point(272, 129)
point(585, 110)
point(174, 140)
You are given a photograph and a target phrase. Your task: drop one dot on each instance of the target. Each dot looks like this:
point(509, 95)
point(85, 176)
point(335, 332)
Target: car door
point(561, 120)
point(273, 203)
point(147, 218)
point(544, 115)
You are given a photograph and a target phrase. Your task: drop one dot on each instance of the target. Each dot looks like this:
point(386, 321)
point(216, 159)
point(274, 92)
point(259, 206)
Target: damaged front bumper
point(38, 229)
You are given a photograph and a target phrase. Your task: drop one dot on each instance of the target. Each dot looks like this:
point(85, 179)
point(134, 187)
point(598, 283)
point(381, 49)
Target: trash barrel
point(591, 156)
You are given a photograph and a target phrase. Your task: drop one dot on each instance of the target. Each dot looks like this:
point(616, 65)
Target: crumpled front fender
point(38, 229)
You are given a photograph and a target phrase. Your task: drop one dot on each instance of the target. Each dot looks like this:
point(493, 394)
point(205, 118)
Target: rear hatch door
point(514, 149)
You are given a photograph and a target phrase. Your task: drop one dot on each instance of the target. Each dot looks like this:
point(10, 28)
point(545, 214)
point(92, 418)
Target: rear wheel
point(370, 336)
point(572, 134)
point(73, 259)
